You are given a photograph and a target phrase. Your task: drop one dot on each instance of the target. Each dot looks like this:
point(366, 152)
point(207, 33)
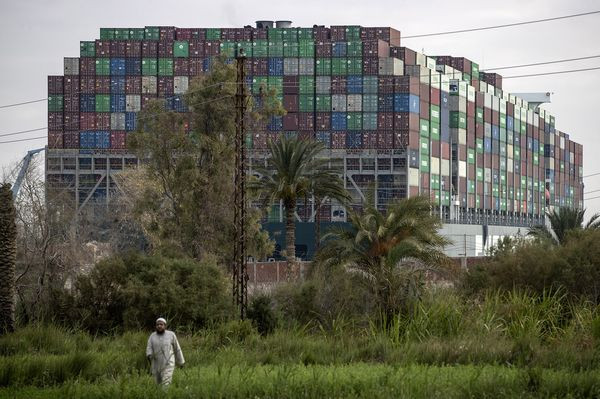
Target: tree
point(562, 221)
point(8, 257)
point(388, 250)
point(185, 202)
point(292, 170)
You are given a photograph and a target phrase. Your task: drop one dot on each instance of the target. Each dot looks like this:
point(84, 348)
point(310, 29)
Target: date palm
point(563, 220)
point(8, 251)
point(388, 250)
point(292, 171)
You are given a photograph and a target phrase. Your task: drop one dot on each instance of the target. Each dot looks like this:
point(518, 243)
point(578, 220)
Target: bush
point(262, 315)
point(130, 291)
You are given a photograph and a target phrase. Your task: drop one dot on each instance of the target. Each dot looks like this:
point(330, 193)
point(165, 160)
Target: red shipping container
point(167, 33)
point(183, 33)
point(306, 135)
point(424, 90)
point(196, 66)
point(323, 49)
point(424, 109)
point(369, 139)
point(376, 48)
point(401, 139)
point(479, 130)
point(323, 120)
point(260, 66)
point(385, 85)
point(71, 140)
point(370, 66)
point(339, 84)
point(71, 85)
point(212, 48)
point(290, 85)
point(55, 121)
point(338, 140)
point(55, 85)
point(102, 48)
point(196, 49)
point(479, 159)
point(338, 33)
point(487, 114)
point(321, 33)
point(149, 49)
point(306, 121)
point(414, 140)
point(462, 152)
point(259, 140)
point(181, 67)
point(290, 121)
point(133, 85)
point(102, 85)
point(290, 103)
point(435, 148)
point(385, 140)
point(445, 150)
point(413, 191)
point(71, 103)
point(87, 84)
point(103, 120)
point(479, 188)
point(405, 54)
point(118, 48)
point(470, 108)
point(165, 49)
point(146, 99)
point(495, 117)
point(55, 139)
point(425, 181)
point(165, 86)
point(118, 139)
point(259, 34)
point(406, 120)
point(385, 121)
point(435, 96)
point(87, 121)
point(87, 66)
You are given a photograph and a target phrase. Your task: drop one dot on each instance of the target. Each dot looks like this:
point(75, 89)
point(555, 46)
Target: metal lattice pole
point(240, 269)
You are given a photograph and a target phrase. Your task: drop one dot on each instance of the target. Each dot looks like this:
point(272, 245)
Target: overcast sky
point(36, 35)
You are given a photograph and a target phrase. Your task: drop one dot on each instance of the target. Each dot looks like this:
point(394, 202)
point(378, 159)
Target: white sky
point(36, 35)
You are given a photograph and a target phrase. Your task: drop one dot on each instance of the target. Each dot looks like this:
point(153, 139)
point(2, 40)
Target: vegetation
point(563, 221)
point(8, 254)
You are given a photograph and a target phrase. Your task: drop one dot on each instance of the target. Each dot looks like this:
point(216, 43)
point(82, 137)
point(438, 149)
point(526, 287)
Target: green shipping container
point(475, 70)
point(424, 128)
point(479, 115)
point(107, 33)
point(291, 49)
point(339, 66)
point(370, 84)
point(424, 145)
point(435, 181)
point(471, 187)
point(87, 49)
point(275, 34)
point(354, 49)
point(354, 66)
point(213, 34)
point(149, 66)
point(425, 164)
point(434, 113)
point(290, 34)
point(479, 145)
point(307, 85)
point(479, 174)
point(323, 66)
point(306, 103)
point(369, 103)
point(55, 103)
point(306, 48)
point(228, 48)
point(471, 156)
point(305, 34)
point(165, 67)
point(257, 83)
point(103, 66)
point(102, 103)
point(458, 120)
point(136, 34)
point(354, 121)
point(260, 48)
point(181, 49)
point(122, 34)
point(275, 49)
point(248, 141)
point(434, 131)
point(353, 33)
point(503, 121)
point(323, 103)
point(152, 33)
point(275, 82)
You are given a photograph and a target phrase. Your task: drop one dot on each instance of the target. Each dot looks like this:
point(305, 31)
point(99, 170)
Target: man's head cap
point(161, 319)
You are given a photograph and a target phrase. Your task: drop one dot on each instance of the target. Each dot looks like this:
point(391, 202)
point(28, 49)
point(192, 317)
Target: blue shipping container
point(87, 103)
point(275, 124)
point(275, 66)
point(353, 139)
point(445, 100)
point(530, 143)
point(536, 145)
point(117, 84)
point(87, 139)
point(179, 104)
point(117, 103)
point(130, 121)
point(404, 102)
point(510, 123)
point(495, 132)
point(102, 139)
point(339, 120)
point(354, 84)
point(133, 66)
point(385, 103)
point(325, 138)
point(487, 144)
point(117, 66)
point(339, 49)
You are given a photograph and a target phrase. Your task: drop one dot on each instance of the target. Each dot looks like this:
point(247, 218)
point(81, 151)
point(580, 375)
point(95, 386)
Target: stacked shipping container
point(474, 149)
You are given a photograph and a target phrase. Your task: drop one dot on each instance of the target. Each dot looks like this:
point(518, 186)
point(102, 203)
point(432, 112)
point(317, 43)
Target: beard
point(160, 332)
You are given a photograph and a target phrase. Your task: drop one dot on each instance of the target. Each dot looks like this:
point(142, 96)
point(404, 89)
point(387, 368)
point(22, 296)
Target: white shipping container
point(117, 121)
point(306, 66)
point(149, 85)
point(435, 165)
point(421, 59)
point(413, 176)
point(133, 103)
point(323, 84)
point(510, 165)
point(435, 80)
point(338, 103)
point(445, 167)
point(290, 66)
point(181, 84)
point(470, 93)
point(487, 175)
point(71, 66)
point(391, 66)
point(354, 103)
point(430, 63)
point(462, 136)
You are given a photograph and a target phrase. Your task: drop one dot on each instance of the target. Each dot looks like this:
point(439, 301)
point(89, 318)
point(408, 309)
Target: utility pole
point(240, 267)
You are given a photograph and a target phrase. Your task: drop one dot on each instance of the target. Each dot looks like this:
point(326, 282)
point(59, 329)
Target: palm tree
point(326, 184)
point(8, 251)
point(292, 169)
point(387, 249)
point(563, 220)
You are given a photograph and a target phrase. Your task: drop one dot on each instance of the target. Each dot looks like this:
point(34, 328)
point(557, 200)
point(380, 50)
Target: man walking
point(163, 351)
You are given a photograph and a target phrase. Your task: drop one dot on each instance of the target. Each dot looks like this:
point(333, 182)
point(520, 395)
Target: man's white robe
point(164, 351)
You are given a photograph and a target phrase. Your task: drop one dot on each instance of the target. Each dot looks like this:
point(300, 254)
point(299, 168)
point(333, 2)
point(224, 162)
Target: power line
point(587, 199)
point(23, 103)
point(541, 63)
point(502, 26)
point(22, 132)
point(550, 73)
point(589, 192)
point(593, 174)
point(31, 138)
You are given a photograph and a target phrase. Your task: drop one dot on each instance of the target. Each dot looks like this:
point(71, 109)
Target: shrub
point(130, 291)
point(262, 314)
